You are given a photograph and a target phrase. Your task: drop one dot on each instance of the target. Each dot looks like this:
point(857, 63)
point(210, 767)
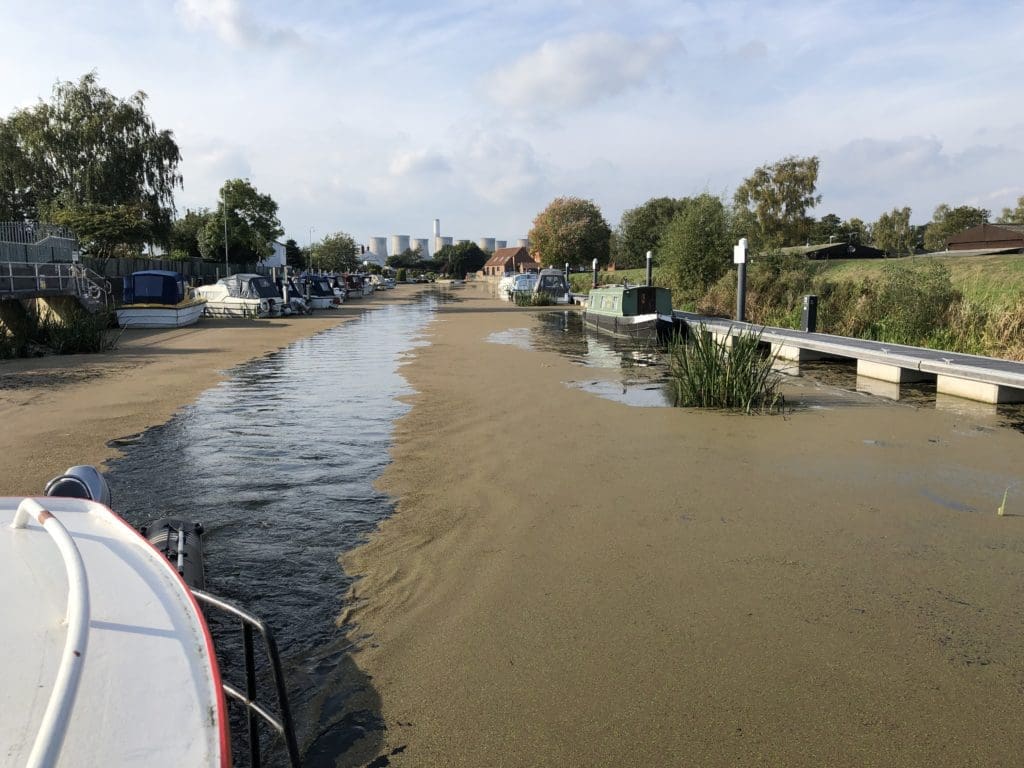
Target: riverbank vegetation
point(967, 304)
point(77, 332)
point(705, 372)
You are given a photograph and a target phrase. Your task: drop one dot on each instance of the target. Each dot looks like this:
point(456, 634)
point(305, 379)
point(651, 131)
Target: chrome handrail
point(57, 715)
point(282, 725)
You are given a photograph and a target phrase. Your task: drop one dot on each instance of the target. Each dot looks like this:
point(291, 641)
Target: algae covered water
point(278, 463)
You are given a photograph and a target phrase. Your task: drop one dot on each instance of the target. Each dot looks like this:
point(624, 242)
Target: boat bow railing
point(283, 724)
point(57, 716)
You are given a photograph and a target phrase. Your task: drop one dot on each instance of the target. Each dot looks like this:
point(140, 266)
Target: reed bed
point(707, 373)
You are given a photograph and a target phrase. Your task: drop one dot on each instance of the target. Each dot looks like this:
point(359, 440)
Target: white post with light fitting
point(739, 257)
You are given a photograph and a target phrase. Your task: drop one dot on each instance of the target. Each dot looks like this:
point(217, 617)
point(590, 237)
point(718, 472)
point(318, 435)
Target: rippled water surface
point(278, 463)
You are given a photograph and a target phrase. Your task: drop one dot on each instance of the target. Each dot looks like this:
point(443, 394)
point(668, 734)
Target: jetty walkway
point(986, 379)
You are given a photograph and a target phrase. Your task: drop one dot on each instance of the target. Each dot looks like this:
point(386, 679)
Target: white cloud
point(233, 23)
point(419, 163)
point(868, 176)
point(580, 70)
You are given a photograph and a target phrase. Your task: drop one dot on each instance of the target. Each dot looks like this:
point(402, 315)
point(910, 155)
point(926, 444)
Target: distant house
point(988, 237)
point(278, 258)
point(507, 260)
point(835, 251)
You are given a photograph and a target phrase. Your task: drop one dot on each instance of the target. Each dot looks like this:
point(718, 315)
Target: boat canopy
point(551, 281)
point(154, 286)
point(246, 286)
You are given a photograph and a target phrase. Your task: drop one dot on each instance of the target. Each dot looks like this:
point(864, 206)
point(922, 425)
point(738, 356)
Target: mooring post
point(595, 273)
point(739, 257)
point(650, 269)
point(810, 314)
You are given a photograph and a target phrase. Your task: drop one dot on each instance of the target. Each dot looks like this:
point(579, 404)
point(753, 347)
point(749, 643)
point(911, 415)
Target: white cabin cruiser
point(158, 299)
point(242, 295)
point(512, 284)
point(108, 660)
point(318, 292)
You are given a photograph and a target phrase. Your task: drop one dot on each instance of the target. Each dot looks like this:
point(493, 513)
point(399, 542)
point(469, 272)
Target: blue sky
point(376, 117)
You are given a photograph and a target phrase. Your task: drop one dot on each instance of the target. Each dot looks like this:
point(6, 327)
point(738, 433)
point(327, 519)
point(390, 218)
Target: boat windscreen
point(551, 284)
point(156, 289)
point(261, 288)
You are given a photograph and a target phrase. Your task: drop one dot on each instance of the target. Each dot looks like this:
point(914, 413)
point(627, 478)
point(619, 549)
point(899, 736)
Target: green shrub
point(706, 373)
point(78, 333)
point(530, 299)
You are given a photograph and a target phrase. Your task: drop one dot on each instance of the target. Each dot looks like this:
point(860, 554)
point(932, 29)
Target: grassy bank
point(969, 304)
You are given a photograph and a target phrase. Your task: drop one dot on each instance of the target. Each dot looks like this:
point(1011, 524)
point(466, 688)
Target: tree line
point(97, 164)
point(694, 236)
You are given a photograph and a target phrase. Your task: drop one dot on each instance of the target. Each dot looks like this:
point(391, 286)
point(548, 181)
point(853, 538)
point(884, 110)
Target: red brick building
point(510, 260)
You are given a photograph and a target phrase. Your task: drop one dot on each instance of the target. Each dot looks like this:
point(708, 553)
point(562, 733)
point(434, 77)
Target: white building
point(278, 258)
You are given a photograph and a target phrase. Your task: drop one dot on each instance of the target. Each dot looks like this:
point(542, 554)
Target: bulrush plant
point(529, 299)
point(77, 333)
point(707, 373)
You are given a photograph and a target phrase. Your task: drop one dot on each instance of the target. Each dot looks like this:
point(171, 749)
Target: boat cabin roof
point(154, 286)
point(148, 689)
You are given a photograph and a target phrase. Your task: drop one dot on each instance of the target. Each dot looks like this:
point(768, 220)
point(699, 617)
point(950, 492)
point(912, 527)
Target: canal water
point(278, 463)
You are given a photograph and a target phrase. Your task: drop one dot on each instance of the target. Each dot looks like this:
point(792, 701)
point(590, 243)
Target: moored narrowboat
point(635, 311)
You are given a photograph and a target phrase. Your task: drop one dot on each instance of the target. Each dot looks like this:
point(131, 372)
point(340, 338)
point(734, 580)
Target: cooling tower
point(486, 244)
point(379, 247)
point(522, 243)
point(424, 245)
point(446, 241)
point(399, 244)
point(501, 243)
point(461, 242)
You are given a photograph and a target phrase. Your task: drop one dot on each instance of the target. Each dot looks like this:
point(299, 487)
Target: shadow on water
point(278, 463)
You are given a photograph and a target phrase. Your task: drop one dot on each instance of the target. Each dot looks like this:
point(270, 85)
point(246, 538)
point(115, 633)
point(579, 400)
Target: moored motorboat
point(159, 299)
point(552, 283)
point(242, 295)
point(108, 660)
point(636, 311)
point(510, 285)
point(318, 292)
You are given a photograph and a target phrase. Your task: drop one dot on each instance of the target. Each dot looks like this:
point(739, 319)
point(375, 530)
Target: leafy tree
point(104, 231)
point(571, 230)
point(855, 231)
point(697, 245)
point(828, 227)
point(1013, 215)
point(772, 204)
point(293, 254)
point(893, 233)
point(947, 222)
point(185, 232)
point(252, 224)
point(641, 228)
point(336, 253)
point(411, 258)
point(460, 259)
point(87, 149)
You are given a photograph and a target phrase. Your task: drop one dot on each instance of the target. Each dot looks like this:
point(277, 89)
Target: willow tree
point(91, 160)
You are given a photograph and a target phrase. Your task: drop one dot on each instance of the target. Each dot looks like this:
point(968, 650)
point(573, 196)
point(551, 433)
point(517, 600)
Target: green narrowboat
point(636, 311)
